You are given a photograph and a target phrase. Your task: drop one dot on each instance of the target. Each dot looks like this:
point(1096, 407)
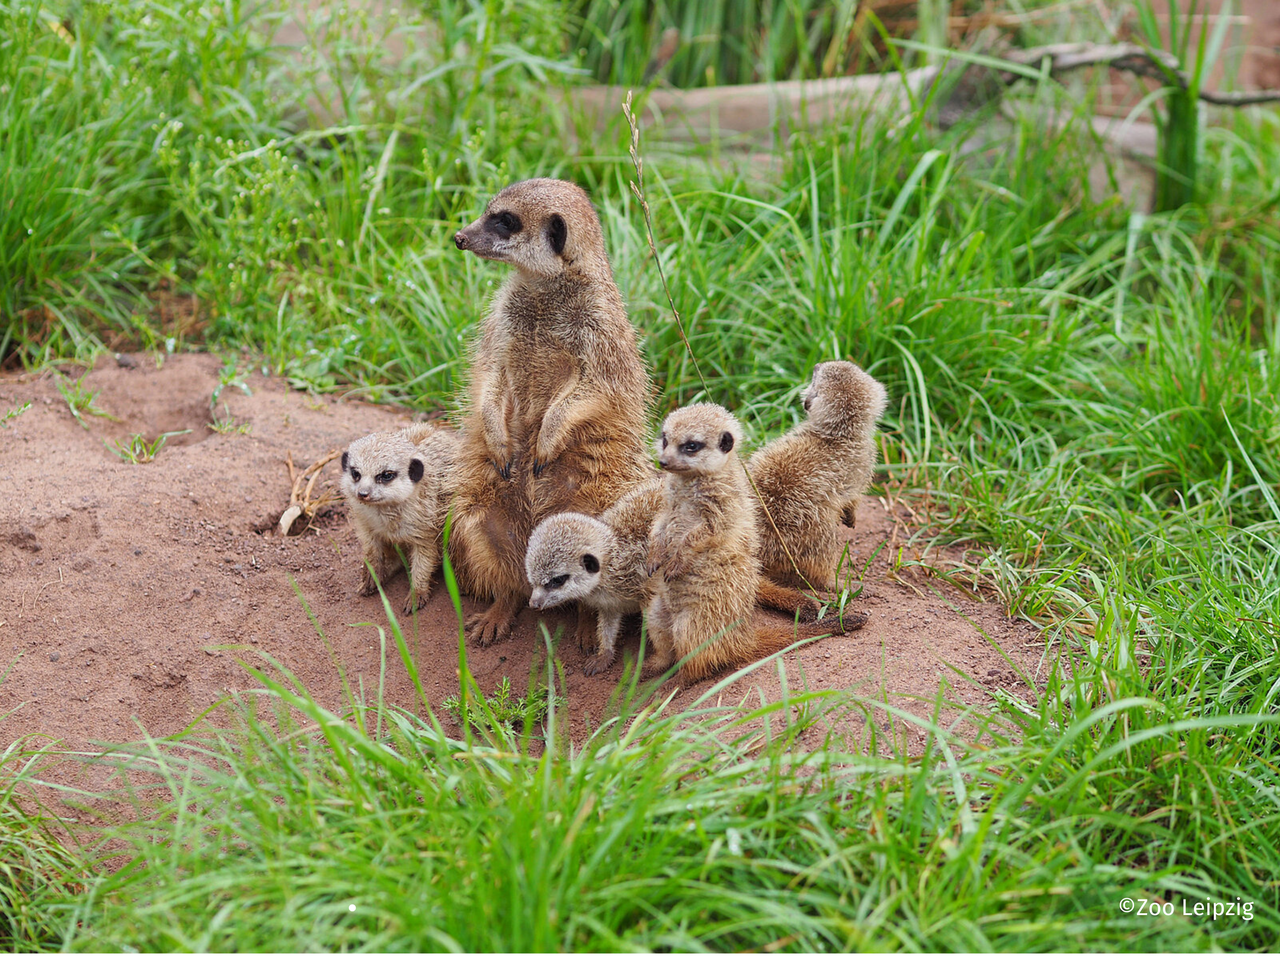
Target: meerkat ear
point(726, 442)
point(557, 233)
point(415, 469)
point(590, 563)
point(344, 461)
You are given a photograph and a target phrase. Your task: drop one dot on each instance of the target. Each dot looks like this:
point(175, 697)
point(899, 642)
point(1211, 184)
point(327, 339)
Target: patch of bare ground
point(131, 594)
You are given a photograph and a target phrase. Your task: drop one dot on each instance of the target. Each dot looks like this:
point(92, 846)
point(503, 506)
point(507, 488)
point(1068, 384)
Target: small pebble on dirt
point(53, 657)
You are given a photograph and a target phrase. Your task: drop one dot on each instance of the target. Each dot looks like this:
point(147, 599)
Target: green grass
point(1085, 393)
point(712, 828)
point(38, 873)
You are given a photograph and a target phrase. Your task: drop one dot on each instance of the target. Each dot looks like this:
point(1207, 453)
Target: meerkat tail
point(777, 597)
point(763, 642)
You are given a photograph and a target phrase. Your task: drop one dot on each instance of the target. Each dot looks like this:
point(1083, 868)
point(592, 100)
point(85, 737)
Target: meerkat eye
point(355, 474)
point(555, 583)
point(690, 447)
point(505, 224)
point(386, 476)
point(664, 441)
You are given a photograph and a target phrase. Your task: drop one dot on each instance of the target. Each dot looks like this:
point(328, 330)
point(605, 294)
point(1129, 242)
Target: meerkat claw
point(598, 664)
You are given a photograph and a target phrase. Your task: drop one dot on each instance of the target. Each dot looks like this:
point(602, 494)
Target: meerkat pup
point(557, 394)
point(810, 478)
point(704, 550)
point(600, 563)
point(398, 487)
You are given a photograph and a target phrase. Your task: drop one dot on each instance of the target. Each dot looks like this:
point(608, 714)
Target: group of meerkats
point(553, 494)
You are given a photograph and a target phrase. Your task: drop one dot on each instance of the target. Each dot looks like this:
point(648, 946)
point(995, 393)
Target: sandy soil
point(131, 594)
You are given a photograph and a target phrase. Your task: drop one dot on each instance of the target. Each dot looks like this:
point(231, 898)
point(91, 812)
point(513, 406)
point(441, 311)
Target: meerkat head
point(700, 438)
point(843, 399)
point(565, 559)
point(543, 227)
point(381, 469)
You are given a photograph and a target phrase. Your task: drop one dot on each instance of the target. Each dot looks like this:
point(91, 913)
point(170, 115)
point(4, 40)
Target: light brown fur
point(393, 512)
point(558, 391)
point(600, 563)
point(703, 552)
point(811, 478)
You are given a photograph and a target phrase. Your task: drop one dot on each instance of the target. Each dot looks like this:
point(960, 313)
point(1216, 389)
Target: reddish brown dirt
point(130, 594)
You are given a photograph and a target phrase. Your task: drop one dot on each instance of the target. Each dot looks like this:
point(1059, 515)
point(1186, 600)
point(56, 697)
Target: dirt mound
point(134, 590)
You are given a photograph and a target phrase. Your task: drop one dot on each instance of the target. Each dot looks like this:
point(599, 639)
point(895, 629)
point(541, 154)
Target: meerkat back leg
point(492, 538)
point(585, 631)
point(497, 622)
point(384, 560)
point(777, 597)
point(607, 636)
point(660, 650)
point(423, 561)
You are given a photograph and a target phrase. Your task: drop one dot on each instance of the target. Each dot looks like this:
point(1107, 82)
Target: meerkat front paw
point(675, 568)
point(415, 602)
point(599, 663)
point(658, 558)
point(368, 585)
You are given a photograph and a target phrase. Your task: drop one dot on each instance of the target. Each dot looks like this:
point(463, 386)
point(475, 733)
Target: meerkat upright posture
point(600, 563)
point(810, 479)
point(398, 487)
point(704, 550)
point(558, 391)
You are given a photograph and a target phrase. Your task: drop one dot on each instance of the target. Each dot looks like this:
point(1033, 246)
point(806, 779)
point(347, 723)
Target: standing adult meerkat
point(558, 391)
point(704, 551)
point(397, 485)
point(810, 478)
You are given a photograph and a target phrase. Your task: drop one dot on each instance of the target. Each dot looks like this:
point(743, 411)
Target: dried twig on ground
point(302, 485)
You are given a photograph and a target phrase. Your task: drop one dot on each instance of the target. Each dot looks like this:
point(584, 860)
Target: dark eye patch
point(690, 447)
point(664, 441)
point(386, 476)
point(505, 224)
point(555, 583)
point(355, 474)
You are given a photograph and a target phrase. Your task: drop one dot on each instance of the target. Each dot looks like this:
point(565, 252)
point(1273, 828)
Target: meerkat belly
point(538, 373)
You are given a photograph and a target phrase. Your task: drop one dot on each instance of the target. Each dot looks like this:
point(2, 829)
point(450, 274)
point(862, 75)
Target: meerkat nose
point(460, 240)
point(662, 464)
